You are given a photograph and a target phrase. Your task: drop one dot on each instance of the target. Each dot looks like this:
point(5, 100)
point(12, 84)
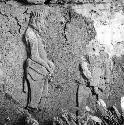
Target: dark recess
point(24, 2)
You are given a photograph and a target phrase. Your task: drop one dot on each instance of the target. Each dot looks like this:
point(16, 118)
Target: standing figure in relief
point(38, 66)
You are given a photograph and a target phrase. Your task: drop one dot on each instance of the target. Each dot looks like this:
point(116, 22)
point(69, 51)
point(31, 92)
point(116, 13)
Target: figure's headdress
point(37, 18)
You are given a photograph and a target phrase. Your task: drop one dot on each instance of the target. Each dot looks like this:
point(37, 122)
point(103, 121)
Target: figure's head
point(36, 20)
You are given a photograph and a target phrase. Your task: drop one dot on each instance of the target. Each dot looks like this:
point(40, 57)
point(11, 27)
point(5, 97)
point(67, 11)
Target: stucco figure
point(39, 67)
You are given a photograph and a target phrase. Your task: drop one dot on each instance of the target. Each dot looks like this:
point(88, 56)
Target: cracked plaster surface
point(104, 51)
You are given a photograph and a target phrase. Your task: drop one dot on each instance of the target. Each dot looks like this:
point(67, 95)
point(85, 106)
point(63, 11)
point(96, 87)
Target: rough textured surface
point(62, 92)
point(67, 37)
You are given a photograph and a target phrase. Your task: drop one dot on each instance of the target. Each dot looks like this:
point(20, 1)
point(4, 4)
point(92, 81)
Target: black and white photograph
point(61, 62)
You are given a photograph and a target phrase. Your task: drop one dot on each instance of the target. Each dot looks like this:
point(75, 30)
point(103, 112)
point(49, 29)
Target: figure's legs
point(37, 86)
point(36, 93)
point(37, 76)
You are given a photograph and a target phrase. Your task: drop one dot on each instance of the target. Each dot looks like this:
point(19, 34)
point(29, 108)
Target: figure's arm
point(84, 65)
point(43, 55)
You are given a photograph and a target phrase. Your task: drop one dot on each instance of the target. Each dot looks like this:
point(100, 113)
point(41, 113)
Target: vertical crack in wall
point(87, 82)
point(18, 24)
point(77, 102)
point(66, 13)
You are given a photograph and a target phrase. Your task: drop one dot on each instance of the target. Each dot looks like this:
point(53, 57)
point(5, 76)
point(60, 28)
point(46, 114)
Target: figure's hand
point(51, 66)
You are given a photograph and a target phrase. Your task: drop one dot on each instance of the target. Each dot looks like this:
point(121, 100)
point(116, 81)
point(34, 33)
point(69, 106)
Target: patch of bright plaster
point(122, 103)
point(108, 25)
point(111, 35)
